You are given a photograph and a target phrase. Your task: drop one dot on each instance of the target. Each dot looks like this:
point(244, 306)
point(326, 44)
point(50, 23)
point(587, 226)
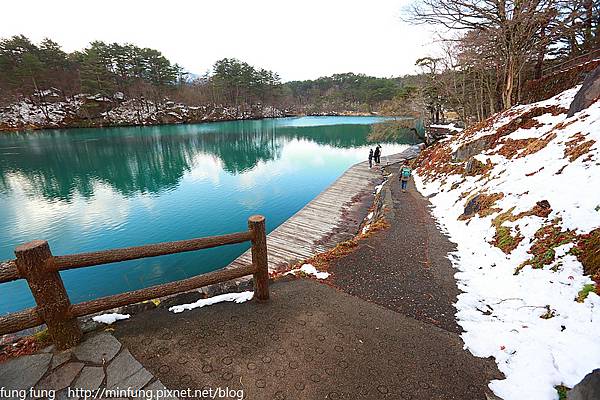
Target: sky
point(299, 40)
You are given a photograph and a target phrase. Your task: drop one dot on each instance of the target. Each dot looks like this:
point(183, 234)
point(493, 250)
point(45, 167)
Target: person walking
point(370, 158)
point(405, 173)
point(377, 154)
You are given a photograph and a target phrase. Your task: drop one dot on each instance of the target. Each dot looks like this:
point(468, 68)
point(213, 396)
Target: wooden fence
point(36, 264)
point(589, 56)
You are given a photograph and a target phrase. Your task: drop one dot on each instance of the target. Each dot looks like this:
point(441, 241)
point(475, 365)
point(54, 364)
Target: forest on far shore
point(489, 54)
point(28, 69)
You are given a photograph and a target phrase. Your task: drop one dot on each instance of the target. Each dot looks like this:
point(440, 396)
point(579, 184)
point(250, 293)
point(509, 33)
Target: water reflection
point(60, 164)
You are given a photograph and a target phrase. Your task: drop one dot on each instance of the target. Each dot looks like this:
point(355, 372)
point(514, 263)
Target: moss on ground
point(562, 392)
point(585, 291)
point(546, 239)
point(587, 251)
point(503, 238)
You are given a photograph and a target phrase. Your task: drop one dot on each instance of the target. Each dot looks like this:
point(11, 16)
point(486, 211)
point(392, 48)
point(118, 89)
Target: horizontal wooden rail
point(167, 289)
point(571, 62)
point(8, 271)
point(18, 321)
point(40, 268)
point(151, 250)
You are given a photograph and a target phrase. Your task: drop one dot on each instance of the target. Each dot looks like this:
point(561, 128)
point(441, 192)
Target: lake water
point(93, 189)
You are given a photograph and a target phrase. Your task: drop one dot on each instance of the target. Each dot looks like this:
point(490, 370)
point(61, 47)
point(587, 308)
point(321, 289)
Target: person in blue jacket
point(405, 173)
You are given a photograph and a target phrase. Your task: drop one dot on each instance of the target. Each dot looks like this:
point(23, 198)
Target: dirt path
point(404, 268)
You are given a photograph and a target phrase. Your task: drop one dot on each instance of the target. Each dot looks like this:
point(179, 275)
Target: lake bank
point(84, 111)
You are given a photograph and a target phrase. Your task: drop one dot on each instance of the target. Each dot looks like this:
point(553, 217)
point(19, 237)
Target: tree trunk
point(509, 81)
point(539, 65)
point(588, 23)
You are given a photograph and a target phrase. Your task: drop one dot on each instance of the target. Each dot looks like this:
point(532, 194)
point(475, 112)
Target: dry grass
point(435, 161)
point(479, 168)
point(577, 146)
point(322, 261)
point(25, 346)
point(527, 121)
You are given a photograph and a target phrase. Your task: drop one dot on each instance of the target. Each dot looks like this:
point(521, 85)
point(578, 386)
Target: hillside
point(519, 194)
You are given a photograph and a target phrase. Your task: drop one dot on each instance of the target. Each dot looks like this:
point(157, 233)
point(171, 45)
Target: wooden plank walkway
point(317, 227)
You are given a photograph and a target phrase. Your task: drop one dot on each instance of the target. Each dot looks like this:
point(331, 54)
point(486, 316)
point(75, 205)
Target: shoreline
point(5, 129)
point(333, 216)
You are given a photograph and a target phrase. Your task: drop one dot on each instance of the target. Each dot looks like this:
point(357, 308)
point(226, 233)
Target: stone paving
point(98, 364)
point(310, 341)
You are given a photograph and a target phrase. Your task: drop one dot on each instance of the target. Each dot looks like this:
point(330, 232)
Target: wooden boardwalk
point(319, 226)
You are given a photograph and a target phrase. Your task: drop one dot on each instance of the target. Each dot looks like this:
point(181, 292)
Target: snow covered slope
point(520, 195)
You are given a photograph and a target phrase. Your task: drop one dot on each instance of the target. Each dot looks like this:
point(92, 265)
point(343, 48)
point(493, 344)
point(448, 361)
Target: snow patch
point(309, 269)
point(235, 297)
point(110, 318)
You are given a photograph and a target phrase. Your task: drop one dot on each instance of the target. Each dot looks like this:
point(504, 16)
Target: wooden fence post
point(34, 262)
point(256, 224)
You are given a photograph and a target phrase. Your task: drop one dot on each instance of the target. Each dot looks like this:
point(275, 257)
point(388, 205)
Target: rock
point(542, 208)
point(472, 206)
point(470, 149)
point(126, 372)
point(90, 378)
point(62, 377)
point(24, 372)
point(48, 349)
point(60, 358)
point(588, 388)
point(588, 94)
point(98, 349)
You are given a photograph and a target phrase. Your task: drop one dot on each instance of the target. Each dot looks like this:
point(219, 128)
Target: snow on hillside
point(520, 195)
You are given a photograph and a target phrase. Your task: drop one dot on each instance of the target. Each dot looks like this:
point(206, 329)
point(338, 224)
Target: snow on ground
point(379, 187)
point(528, 321)
point(235, 297)
point(309, 269)
point(450, 127)
point(110, 318)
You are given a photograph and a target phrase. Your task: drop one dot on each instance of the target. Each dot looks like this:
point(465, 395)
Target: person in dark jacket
point(377, 154)
point(370, 158)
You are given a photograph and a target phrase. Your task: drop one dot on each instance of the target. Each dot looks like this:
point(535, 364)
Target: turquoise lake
point(94, 189)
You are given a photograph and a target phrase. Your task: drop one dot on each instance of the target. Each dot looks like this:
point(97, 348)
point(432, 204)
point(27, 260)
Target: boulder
point(470, 149)
point(588, 94)
point(588, 388)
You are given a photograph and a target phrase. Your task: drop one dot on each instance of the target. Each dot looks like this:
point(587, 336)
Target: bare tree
point(511, 26)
